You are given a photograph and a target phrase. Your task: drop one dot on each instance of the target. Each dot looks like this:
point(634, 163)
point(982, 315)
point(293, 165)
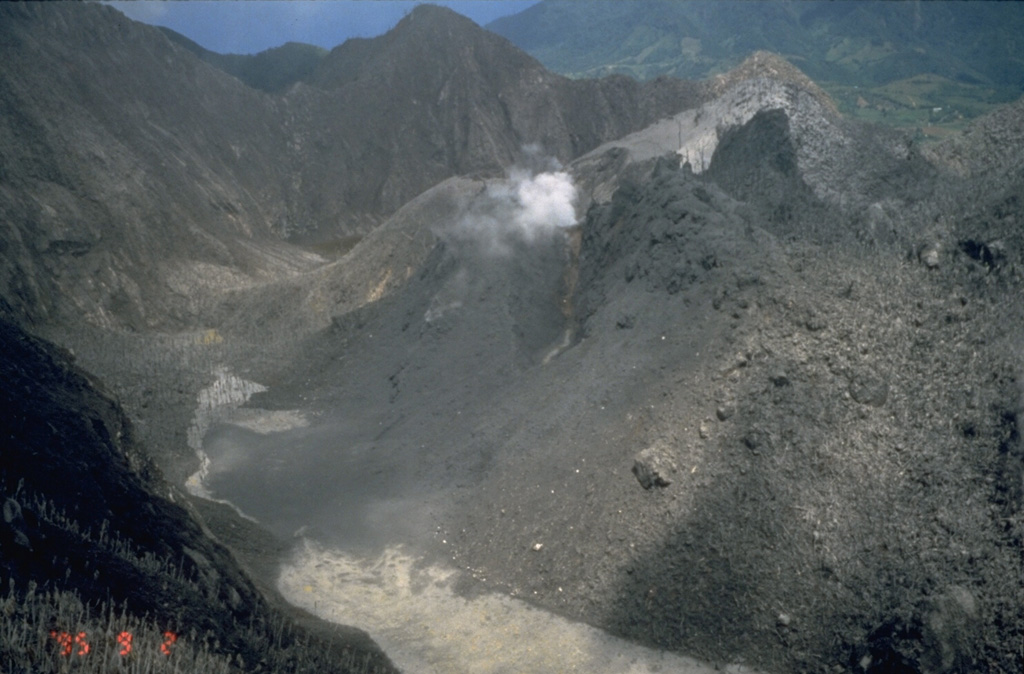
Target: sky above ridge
point(251, 26)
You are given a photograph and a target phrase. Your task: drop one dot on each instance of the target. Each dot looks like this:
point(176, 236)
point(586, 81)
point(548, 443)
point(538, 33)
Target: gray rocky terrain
point(704, 365)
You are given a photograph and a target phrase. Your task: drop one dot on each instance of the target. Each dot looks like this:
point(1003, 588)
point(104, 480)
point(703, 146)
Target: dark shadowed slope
point(87, 518)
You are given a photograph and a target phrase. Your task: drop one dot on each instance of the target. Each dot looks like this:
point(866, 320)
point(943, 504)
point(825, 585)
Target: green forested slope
point(894, 62)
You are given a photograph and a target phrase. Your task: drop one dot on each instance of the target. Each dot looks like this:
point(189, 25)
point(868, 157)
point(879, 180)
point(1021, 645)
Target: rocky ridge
point(823, 393)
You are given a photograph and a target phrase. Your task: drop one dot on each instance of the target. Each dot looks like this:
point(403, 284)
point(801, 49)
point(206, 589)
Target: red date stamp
point(77, 644)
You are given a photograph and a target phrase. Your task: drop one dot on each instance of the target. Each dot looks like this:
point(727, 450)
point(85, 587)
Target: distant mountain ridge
point(438, 96)
point(870, 56)
point(827, 40)
point(272, 70)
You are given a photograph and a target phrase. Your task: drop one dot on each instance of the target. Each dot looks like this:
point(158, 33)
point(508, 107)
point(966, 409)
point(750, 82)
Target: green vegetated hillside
point(930, 65)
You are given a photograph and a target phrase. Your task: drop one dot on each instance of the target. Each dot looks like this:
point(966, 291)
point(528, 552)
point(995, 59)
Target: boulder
point(655, 466)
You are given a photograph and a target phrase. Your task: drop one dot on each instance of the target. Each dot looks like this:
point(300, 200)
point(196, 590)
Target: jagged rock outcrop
point(841, 163)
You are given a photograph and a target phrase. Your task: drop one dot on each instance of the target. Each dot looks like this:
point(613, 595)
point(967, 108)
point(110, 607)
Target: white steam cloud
point(546, 201)
point(526, 206)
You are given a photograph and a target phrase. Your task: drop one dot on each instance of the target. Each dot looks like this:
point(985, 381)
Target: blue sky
point(250, 26)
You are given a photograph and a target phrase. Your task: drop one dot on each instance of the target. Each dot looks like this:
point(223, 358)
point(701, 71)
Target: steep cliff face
point(133, 175)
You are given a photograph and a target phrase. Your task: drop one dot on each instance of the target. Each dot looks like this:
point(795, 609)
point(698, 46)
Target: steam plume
point(528, 205)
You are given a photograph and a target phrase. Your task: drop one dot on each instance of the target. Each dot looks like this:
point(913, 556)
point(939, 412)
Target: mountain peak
point(427, 16)
point(770, 65)
point(426, 46)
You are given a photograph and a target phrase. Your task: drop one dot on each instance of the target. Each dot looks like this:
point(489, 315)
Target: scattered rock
point(654, 466)
point(815, 321)
point(930, 257)
point(208, 573)
point(12, 512)
point(755, 440)
point(949, 630)
point(15, 520)
point(724, 411)
point(234, 599)
point(537, 547)
point(988, 255)
point(868, 388)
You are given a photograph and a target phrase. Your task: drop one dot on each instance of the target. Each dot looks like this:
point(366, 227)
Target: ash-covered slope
point(760, 408)
point(767, 412)
point(823, 405)
point(135, 178)
point(87, 518)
